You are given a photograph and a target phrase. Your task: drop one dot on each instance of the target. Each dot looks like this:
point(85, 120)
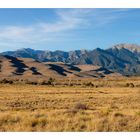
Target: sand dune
point(30, 68)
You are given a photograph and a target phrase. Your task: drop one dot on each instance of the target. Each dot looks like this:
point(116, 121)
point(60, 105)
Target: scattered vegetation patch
point(25, 107)
point(80, 106)
point(51, 81)
point(138, 113)
point(31, 82)
point(89, 84)
point(118, 114)
point(130, 85)
point(6, 81)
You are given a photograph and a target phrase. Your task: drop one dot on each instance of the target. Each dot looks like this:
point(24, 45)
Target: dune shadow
point(59, 69)
point(104, 70)
point(34, 70)
point(18, 64)
point(71, 67)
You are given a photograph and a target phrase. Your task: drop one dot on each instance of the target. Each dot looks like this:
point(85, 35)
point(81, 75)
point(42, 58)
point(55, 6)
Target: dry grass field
point(108, 105)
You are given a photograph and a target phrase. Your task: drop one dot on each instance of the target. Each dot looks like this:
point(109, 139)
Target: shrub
point(5, 81)
point(89, 84)
point(80, 106)
point(34, 83)
point(31, 82)
point(117, 114)
point(129, 85)
point(70, 84)
point(43, 83)
point(51, 81)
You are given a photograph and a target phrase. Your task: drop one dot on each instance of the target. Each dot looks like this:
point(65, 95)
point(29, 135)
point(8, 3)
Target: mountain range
point(121, 58)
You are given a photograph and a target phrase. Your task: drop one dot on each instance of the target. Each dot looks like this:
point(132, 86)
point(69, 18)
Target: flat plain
point(91, 106)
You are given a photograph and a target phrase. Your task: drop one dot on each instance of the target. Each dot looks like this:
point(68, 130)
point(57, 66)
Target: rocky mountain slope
point(121, 58)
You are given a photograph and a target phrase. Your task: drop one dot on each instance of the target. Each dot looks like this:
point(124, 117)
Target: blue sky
point(68, 29)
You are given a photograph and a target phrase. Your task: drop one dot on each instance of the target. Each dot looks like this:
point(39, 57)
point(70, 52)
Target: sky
point(68, 29)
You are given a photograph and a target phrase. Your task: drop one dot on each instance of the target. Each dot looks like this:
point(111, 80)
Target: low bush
point(89, 84)
point(130, 85)
point(5, 81)
point(80, 106)
point(51, 81)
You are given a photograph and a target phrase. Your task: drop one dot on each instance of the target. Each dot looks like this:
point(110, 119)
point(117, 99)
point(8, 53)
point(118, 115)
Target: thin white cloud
point(67, 19)
point(12, 32)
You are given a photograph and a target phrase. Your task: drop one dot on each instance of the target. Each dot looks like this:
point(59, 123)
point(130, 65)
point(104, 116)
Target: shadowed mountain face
point(28, 68)
point(122, 58)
